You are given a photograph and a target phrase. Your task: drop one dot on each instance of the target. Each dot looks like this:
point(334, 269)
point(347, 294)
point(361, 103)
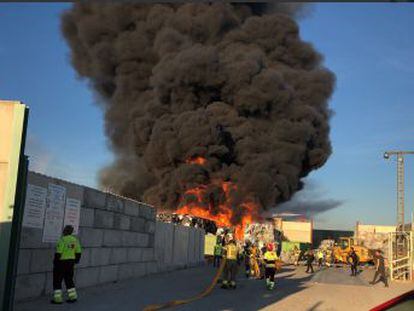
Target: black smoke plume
point(309, 202)
point(232, 83)
point(308, 208)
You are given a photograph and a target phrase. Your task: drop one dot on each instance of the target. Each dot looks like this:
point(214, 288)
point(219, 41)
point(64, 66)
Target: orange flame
point(223, 214)
point(197, 160)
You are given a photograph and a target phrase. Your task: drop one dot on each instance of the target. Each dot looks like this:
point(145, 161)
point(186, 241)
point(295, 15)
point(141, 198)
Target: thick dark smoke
point(309, 202)
point(233, 83)
point(308, 208)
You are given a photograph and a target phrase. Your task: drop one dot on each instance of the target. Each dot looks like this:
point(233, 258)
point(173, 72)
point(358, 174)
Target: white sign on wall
point(54, 213)
point(56, 197)
point(53, 225)
point(72, 214)
point(35, 205)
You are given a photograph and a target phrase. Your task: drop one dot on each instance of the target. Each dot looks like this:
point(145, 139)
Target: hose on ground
point(204, 293)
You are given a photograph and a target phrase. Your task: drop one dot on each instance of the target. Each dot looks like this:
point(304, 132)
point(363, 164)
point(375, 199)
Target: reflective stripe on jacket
point(270, 259)
point(231, 252)
point(218, 250)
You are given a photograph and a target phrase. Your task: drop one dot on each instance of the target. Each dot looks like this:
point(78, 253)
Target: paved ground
point(328, 289)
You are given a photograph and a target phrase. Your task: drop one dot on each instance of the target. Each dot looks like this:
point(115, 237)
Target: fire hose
point(204, 293)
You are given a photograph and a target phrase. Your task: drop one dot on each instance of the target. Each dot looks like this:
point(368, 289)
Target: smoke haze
point(308, 208)
point(233, 84)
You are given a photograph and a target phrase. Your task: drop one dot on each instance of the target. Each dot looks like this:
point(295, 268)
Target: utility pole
point(400, 184)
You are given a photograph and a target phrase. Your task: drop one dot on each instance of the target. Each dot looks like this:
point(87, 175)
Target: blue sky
point(370, 48)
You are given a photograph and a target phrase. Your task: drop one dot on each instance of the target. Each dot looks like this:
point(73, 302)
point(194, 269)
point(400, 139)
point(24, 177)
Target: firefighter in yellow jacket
point(270, 258)
point(68, 253)
point(254, 263)
point(231, 253)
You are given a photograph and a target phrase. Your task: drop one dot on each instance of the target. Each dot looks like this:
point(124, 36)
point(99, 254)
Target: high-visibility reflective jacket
point(231, 251)
point(218, 249)
point(67, 247)
point(270, 258)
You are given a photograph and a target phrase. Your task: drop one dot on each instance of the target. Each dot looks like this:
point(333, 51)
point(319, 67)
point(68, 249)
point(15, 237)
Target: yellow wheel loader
point(342, 249)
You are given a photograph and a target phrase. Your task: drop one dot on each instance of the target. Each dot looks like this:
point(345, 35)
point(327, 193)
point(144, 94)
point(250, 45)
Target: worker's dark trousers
point(309, 267)
point(354, 269)
point(320, 262)
point(216, 262)
point(382, 277)
point(230, 270)
point(247, 268)
point(63, 270)
point(247, 265)
point(270, 273)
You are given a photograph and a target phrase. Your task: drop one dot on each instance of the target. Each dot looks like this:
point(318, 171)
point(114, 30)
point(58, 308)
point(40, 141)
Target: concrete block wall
point(119, 239)
point(178, 247)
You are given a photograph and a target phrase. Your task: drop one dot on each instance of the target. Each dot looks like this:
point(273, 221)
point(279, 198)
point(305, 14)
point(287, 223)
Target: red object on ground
point(393, 302)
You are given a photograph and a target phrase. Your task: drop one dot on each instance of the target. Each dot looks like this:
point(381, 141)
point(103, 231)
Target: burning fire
point(199, 202)
point(197, 160)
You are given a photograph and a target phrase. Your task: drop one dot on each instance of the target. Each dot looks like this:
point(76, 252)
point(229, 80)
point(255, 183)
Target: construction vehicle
point(342, 249)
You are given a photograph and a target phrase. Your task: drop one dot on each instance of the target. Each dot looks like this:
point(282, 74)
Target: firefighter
point(320, 258)
point(296, 254)
point(218, 249)
point(310, 257)
point(353, 260)
point(231, 253)
point(379, 269)
point(332, 257)
point(260, 261)
point(68, 253)
point(327, 258)
point(270, 258)
point(302, 256)
point(246, 253)
point(254, 264)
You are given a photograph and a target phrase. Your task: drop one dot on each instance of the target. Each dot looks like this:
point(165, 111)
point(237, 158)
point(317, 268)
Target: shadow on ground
point(251, 294)
point(156, 289)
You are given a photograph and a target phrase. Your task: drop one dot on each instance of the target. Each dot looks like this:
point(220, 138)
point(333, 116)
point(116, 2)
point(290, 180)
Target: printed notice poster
point(57, 196)
point(53, 225)
point(35, 205)
point(72, 214)
point(55, 210)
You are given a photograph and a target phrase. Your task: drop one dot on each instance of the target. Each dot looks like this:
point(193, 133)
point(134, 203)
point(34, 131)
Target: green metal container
point(289, 246)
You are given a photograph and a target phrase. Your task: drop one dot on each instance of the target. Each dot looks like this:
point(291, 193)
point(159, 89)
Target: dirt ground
point(328, 289)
